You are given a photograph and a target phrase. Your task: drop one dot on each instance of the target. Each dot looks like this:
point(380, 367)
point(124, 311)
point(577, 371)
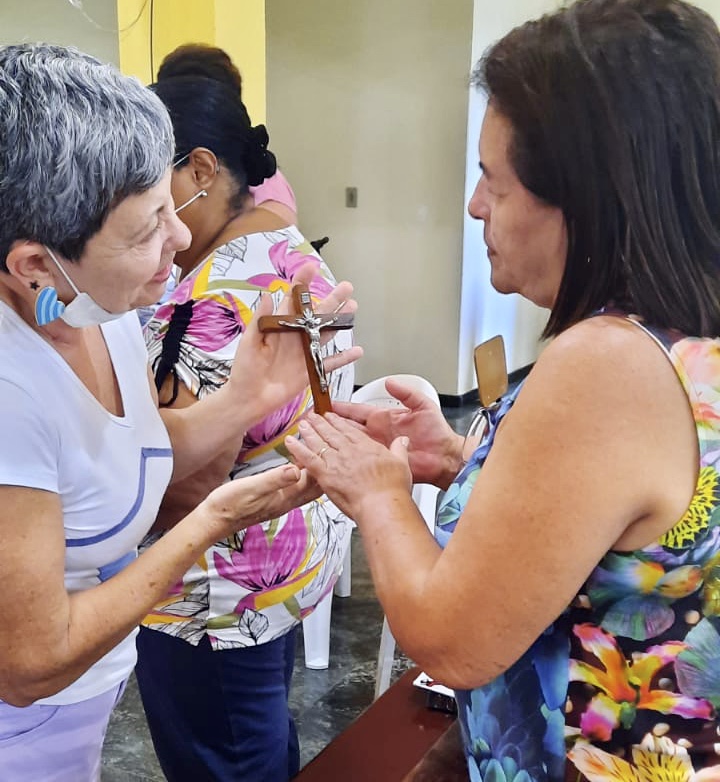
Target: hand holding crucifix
point(309, 324)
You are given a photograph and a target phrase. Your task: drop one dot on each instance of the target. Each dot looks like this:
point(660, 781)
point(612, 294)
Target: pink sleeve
point(276, 188)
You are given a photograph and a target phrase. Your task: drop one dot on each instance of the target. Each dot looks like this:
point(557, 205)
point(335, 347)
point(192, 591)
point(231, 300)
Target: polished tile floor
point(324, 702)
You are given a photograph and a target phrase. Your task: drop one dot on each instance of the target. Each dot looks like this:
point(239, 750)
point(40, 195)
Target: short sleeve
point(275, 188)
point(30, 445)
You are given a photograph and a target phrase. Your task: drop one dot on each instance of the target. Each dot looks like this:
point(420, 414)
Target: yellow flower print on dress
point(697, 517)
point(655, 760)
point(624, 687)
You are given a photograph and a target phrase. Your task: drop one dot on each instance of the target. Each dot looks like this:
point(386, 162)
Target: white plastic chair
point(316, 626)
point(425, 496)
point(316, 635)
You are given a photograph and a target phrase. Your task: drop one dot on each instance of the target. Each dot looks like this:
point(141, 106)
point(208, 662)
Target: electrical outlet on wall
point(351, 197)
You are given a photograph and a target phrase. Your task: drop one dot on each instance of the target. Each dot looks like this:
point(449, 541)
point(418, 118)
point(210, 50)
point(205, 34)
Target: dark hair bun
point(260, 163)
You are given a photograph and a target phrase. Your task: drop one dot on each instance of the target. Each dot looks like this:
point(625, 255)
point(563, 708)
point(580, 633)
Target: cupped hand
point(269, 368)
point(246, 501)
point(353, 469)
point(435, 450)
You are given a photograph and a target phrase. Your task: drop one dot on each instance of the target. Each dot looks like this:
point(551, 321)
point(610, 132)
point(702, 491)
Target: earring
point(47, 306)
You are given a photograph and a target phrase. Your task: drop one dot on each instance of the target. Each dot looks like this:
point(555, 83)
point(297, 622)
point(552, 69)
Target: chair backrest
point(375, 393)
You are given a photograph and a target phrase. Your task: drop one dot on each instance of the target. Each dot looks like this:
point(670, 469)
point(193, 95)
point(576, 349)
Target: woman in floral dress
point(216, 656)
point(572, 594)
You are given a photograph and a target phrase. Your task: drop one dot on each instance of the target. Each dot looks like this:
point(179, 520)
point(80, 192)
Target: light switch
point(351, 197)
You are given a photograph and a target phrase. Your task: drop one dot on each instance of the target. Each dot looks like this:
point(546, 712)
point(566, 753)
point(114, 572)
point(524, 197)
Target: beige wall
point(376, 95)
point(373, 94)
point(56, 21)
point(711, 6)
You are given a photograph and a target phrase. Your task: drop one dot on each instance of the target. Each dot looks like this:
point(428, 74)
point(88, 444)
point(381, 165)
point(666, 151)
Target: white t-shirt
point(110, 471)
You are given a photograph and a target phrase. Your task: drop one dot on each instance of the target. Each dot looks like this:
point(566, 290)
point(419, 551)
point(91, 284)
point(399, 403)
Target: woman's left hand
point(354, 470)
point(240, 503)
point(269, 368)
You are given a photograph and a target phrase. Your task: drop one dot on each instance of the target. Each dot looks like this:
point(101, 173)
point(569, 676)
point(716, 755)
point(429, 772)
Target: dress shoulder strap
point(665, 338)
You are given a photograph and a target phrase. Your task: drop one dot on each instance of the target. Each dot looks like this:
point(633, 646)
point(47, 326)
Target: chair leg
point(316, 635)
point(386, 655)
point(342, 585)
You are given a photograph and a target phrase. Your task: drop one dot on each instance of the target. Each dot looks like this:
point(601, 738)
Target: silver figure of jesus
point(311, 324)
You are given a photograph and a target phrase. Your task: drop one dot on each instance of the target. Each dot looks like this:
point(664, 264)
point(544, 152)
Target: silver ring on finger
point(322, 450)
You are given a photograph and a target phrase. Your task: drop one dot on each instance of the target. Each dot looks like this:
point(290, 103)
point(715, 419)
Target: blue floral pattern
point(625, 685)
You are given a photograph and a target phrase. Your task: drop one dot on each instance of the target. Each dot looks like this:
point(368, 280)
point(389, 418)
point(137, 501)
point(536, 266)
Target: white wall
point(373, 94)
point(483, 311)
point(56, 21)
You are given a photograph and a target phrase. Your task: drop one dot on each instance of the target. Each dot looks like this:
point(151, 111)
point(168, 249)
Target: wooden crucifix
point(309, 324)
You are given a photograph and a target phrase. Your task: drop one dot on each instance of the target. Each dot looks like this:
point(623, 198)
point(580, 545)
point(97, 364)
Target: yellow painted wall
point(240, 30)
point(237, 26)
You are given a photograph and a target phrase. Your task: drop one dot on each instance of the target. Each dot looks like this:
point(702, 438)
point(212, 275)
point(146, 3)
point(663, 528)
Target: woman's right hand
point(435, 451)
point(246, 501)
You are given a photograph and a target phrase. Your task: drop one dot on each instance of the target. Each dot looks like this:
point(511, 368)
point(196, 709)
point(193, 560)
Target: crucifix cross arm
point(309, 324)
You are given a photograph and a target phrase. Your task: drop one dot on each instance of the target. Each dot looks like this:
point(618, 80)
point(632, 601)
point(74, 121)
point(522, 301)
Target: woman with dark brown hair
point(571, 594)
point(274, 193)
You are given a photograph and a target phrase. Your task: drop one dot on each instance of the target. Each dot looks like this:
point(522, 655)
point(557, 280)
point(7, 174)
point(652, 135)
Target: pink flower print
point(180, 294)
point(286, 263)
point(699, 360)
point(325, 592)
point(272, 567)
point(707, 413)
point(276, 424)
point(624, 686)
point(214, 323)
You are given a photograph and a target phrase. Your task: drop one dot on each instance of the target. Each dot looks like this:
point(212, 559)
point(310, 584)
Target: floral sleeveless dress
point(625, 685)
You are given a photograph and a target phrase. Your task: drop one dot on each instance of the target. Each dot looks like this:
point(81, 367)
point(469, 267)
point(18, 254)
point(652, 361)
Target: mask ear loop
point(47, 306)
point(200, 194)
point(62, 271)
point(181, 160)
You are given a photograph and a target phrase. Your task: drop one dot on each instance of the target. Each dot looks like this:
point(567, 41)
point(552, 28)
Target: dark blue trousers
point(219, 716)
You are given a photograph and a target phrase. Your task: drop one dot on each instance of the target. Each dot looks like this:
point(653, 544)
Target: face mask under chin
point(83, 310)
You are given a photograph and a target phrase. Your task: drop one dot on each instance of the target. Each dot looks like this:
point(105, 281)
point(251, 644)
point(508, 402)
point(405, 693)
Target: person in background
point(88, 232)
point(274, 192)
point(216, 655)
point(571, 595)
point(198, 59)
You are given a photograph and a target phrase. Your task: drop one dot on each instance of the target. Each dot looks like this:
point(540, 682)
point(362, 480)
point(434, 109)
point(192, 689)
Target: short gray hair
point(76, 137)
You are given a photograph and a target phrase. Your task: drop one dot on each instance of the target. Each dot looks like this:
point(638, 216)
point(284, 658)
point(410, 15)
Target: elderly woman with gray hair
point(88, 232)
